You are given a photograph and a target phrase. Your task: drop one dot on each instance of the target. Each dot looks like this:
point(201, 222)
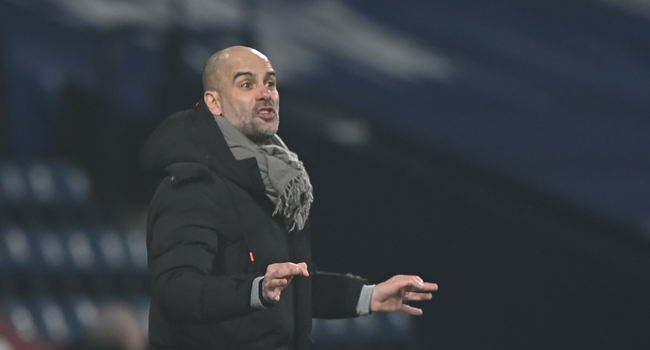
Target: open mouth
point(266, 113)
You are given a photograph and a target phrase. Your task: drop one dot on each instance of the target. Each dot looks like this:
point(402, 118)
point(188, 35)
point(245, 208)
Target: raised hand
point(278, 276)
point(390, 295)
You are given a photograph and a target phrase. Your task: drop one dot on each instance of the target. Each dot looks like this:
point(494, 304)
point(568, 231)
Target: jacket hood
point(171, 142)
point(193, 136)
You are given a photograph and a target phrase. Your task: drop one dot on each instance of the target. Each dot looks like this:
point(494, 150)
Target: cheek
point(245, 104)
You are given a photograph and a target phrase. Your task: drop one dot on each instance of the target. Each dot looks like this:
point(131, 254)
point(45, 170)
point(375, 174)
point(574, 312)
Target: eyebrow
point(239, 74)
point(250, 74)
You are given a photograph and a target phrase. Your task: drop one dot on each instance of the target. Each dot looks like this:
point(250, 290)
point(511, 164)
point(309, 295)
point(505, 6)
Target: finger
point(411, 310)
point(274, 296)
point(276, 283)
point(424, 287)
point(414, 281)
point(415, 296)
point(303, 268)
point(283, 270)
point(408, 282)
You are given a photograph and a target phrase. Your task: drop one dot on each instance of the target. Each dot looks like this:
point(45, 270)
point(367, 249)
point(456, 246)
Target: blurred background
point(497, 148)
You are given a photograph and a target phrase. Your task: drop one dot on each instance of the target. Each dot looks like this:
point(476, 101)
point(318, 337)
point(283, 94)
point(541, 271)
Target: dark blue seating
point(80, 311)
point(50, 252)
point(74, 186)
point(40, 181)
point(45, 192)
point(82, 255)
point(136, 245)
point(58, 260)
point(54, 183)
point(17, 250)
point(20, 317)
point(109, 247)
point(13, 184)
point(50, 319)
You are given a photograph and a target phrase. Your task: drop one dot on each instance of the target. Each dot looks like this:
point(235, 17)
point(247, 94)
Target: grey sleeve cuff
point(256, 302)
point(363, 306)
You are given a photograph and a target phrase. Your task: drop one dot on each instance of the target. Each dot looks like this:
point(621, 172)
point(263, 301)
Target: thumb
point(303, 269)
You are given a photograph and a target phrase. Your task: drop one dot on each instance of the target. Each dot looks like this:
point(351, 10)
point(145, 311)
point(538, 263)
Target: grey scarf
point(285, 178)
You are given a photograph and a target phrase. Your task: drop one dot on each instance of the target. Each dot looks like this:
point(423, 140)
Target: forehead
point(247, 61)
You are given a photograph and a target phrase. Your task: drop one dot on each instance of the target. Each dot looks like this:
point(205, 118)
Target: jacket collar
point(245, 173)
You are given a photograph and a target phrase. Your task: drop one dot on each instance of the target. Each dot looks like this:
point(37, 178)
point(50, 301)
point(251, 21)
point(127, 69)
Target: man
point(228, 231)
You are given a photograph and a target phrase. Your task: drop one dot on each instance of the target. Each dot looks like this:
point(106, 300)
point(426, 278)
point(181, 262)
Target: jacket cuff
point(363, 306)
point(256, 299)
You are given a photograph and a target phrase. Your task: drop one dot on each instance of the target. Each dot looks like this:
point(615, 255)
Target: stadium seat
point(80, 311)
point(51, 255)
point(109, 248)
point(80, 250)
point(50, 319)
point(21, 318)
point(75, 186)
point(13, 184)
point(136, 245)
point(41, 184)
point(17, 250)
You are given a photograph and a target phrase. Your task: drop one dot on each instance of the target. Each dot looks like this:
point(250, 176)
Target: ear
point(213, 101)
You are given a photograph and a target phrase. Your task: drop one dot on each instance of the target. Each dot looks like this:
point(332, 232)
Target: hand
point(278, 276)
point(390, 295)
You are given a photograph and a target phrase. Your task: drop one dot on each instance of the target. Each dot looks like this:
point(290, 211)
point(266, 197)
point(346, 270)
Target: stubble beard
point(251, 129)
point(249, 125)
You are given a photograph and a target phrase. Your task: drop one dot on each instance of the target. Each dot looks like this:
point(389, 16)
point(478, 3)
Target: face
point(248, 97)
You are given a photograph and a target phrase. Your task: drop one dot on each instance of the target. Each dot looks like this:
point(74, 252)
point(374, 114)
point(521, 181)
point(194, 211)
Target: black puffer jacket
point(209, 217)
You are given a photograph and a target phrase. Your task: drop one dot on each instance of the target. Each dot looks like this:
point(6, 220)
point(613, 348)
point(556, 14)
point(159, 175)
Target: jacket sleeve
point(184, 241)
point(335, 295)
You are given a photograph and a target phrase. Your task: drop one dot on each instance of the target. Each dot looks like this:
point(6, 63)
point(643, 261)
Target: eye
point(270, 83)
point(246, 85)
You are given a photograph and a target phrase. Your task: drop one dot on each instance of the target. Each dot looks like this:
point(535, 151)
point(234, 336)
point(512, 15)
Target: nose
point(264, 94)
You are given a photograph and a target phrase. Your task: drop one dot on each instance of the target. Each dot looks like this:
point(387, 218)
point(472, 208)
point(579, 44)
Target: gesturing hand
point(278, 276)
point(390, 295)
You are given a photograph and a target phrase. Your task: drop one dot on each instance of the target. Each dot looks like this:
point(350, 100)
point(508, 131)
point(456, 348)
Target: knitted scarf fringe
point(295, 201)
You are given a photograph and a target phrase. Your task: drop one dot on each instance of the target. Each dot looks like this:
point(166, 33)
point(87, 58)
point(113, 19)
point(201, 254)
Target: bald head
point(213, 71)
point(240, 85)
